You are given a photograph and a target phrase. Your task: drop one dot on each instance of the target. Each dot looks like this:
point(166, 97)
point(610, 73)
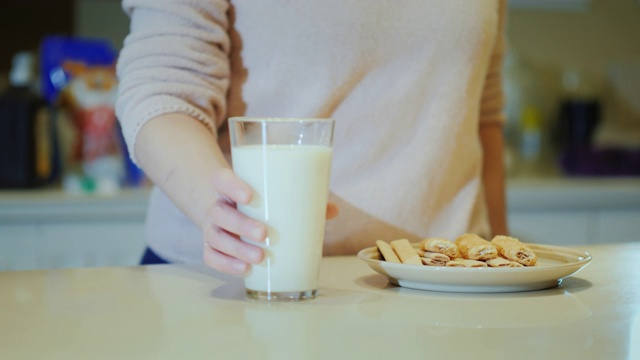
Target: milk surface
point(291, 185)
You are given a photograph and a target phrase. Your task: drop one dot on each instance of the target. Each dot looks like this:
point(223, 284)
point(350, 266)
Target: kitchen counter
point(189, 312)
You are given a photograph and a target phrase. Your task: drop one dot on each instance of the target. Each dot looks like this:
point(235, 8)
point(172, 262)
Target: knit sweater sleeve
point(175, 59)
point(492, 101)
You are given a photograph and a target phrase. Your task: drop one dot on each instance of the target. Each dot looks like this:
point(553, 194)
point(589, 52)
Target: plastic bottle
point(531, 140)
point(26, 147)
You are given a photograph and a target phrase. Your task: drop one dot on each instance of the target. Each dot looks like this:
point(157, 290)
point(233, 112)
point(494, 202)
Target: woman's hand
point(223, 248)
point(332, 211)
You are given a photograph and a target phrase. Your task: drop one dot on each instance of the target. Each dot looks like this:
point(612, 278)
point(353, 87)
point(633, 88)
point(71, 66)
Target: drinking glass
point(287, 163)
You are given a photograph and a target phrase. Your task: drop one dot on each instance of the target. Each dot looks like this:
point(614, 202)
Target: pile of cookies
point(468, 250)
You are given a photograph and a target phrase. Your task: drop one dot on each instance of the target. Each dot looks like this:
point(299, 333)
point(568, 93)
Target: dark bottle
point(26, 147)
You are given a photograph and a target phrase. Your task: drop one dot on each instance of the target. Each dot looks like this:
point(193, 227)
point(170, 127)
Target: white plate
point(554, 264)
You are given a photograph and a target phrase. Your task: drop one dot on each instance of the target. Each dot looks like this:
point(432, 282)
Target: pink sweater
point(408, 84)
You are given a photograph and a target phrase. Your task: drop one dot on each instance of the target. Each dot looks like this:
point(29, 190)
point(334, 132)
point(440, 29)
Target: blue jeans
point(149, 258)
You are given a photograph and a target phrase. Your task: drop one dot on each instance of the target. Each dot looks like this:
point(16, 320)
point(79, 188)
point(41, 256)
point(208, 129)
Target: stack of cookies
point(468, 250)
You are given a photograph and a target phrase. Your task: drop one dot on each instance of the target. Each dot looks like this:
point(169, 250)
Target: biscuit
point(455, 263)
point(405, 252)
point(473, 247)
point(500, 262)
point(433, 262)
point(387, 252)
point(436, 256)
point(470, 263)
point(514, 250)
point(439, 245)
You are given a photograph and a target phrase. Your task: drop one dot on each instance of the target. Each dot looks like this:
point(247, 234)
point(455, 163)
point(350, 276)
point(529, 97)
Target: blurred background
point(69, 196)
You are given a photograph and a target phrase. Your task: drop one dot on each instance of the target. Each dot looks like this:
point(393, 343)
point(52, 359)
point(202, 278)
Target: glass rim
point(278, 119)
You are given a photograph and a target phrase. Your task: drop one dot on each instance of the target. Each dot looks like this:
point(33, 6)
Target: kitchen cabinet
point(573, 227)
point(564, 211)
point(49, 229)
point(562, 5)
point(552, 227)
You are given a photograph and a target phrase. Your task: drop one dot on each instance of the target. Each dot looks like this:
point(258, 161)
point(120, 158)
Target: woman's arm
point(174, 74)
point(181, 156)
point(491, 136)
point(493, 176)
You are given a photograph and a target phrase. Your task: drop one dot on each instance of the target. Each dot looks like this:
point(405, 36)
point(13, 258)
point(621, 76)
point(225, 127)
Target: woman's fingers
point(229, 244)
point(225, 216)
point(229, 185)
point(223, 248)
point(225, 251)
point(222, 262)
point(332, 211)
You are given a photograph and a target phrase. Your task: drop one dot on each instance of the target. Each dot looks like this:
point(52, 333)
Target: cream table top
point(181, 312)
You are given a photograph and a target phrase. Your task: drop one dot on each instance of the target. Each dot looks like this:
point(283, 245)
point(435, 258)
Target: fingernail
point(255, 256)
point(240, 266)
point(257, 233)
point(242, 197)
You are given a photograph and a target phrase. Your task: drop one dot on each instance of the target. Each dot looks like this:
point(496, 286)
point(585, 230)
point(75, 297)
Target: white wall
point(104, 19)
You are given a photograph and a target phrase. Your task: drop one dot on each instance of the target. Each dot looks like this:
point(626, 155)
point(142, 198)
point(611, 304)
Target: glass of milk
point(287, 162)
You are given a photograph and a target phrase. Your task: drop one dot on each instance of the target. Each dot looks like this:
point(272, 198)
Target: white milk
point(291, 184)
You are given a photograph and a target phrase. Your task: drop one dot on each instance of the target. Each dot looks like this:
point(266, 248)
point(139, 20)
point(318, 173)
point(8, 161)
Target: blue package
point(55, 50)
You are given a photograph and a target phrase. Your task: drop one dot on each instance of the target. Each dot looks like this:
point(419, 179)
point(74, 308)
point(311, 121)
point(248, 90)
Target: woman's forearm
point(182, 157)
point(179, 154)
point(493, 176)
